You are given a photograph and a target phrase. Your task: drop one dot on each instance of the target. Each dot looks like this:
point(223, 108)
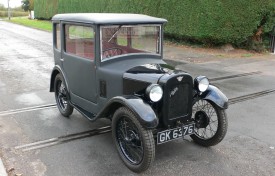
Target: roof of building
point(109, 18)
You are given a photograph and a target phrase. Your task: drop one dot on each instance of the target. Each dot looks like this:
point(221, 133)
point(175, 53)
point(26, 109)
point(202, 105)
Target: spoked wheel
point(210, 123)
point(135, 144)
point(61, 97)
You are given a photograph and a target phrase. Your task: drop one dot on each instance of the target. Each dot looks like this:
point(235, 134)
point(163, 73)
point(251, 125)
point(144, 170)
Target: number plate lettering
point(171, 134)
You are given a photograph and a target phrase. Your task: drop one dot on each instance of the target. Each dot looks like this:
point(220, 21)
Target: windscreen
point(124, 39)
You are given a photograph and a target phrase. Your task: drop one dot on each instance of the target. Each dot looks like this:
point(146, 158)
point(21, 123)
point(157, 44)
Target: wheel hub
point(62, 96)
point(131, 137)
point(201, 119)
point(129, 141)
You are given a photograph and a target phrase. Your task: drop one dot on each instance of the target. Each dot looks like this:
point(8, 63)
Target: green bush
point(209, 22)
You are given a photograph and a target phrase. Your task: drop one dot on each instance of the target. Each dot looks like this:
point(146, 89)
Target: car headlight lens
point(201, 83)
point(154, 92)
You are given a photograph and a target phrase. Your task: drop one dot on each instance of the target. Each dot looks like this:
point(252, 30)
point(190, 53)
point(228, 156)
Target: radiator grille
point(178, 101)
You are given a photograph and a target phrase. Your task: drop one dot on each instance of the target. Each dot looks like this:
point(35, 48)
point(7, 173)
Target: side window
point(57, 36)
point(79, 41)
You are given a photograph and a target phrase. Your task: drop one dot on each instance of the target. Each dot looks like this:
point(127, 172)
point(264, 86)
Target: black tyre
point(135, 144)
point(210, 123)
point(61, 96)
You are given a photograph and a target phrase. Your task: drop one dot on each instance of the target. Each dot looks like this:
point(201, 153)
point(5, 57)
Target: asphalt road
point(26, 61)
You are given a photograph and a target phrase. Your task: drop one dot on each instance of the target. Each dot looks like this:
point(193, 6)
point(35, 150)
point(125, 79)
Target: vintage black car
point(111, 66)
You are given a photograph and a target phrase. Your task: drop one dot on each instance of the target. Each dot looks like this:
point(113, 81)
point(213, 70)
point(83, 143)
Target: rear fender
point(56, 70)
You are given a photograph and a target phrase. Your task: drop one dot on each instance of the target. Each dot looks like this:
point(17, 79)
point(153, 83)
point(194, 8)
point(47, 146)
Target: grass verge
point(38, 24)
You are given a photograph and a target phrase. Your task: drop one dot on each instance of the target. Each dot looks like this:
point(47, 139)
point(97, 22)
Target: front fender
point(216, 96)
point(144, 113)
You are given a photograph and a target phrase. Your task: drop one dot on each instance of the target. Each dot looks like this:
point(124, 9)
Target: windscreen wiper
point(115, 33)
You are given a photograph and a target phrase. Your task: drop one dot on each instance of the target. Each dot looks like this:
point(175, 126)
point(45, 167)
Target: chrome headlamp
point(154, 92)
point(201, 83)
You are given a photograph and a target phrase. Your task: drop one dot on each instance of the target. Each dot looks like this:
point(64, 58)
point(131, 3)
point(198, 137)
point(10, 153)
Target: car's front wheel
point(135, 144)
point(210, 123)
point(61, 96)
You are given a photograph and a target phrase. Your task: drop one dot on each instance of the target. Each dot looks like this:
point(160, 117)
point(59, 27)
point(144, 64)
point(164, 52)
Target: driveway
point(36, 140)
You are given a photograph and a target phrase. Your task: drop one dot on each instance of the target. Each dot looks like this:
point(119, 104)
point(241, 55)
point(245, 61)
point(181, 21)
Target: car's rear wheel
point(61, 96)
point(210, 123)
point(135, 144)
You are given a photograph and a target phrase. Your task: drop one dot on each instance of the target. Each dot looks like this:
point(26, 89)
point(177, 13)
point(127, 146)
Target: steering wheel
point(110, 52)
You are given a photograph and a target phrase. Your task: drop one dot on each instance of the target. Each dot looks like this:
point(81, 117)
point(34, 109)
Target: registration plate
point(175, 133)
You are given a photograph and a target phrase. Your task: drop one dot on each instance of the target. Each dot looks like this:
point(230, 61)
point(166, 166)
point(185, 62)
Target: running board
point(88, 115)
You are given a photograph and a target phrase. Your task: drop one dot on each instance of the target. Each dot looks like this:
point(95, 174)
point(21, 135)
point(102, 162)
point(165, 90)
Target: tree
point(27, 5)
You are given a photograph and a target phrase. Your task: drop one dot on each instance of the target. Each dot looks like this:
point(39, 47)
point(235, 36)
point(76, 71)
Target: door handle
point(62, 59)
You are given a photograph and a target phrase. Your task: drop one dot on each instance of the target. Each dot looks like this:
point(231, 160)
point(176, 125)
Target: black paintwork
point(216, 96)
point(138, 78)
point(177, 97)
point(98, 88)
point(138, 106)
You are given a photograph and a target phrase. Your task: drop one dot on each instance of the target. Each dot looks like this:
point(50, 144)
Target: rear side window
point(57, 36)
point(79, 41)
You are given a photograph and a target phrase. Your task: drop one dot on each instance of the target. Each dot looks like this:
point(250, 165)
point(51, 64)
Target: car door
point(78, 61)
point(56, 42)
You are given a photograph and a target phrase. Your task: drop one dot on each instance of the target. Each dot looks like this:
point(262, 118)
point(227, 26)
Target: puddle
point(29, 99)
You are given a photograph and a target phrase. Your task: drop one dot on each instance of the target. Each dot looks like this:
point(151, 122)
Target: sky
point(13, 3)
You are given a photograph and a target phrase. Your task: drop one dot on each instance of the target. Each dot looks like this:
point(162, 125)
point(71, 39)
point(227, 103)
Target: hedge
point(211, 21)
point(45, 9)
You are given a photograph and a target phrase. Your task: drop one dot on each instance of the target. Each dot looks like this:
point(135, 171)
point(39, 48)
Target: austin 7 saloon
point(111, 66)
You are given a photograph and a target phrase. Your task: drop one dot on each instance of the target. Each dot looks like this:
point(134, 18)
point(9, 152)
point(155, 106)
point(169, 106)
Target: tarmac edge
point(2, 169)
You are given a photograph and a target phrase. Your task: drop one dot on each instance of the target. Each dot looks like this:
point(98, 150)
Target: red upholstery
point(82, 48)
point(85, 48)
point(125, 49)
